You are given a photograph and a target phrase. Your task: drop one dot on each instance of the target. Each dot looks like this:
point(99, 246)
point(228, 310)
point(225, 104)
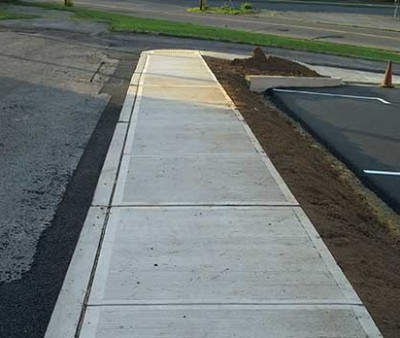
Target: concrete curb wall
point(260, 83)
point(66, 315)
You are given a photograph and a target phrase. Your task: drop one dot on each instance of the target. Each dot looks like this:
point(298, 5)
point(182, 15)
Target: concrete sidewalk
point(193, 233)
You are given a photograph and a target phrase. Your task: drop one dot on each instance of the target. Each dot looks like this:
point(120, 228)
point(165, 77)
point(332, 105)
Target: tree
point(202, 4)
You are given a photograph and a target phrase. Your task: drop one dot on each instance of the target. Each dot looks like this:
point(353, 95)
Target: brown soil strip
point(362, 242)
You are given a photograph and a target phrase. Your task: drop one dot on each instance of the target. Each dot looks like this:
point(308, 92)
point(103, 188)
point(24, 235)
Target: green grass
point(221, 10)
point(244, 8)
point(119, 22)
point(5, 15)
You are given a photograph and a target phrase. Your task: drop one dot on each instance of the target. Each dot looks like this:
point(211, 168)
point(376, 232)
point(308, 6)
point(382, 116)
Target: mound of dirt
point(261, 64)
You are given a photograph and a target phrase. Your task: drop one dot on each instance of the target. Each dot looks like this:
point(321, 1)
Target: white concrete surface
point(106, 181)
point(131, 94)
point(353, 76)
point(154, 180)
point(260, 83)
point(225, 321)
point(203, 238)
point(211, 255)
point(66, 315)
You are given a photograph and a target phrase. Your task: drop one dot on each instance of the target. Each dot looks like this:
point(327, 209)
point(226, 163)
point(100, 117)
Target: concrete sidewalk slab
point(201, 180)
point(195, 94)
point(212, 255)
point(202, 236)
point(198, 321)
point(209, 138)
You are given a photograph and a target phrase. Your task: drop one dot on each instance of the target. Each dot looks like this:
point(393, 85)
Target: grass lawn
point(244, 8)
point(5, 15)
point(119, 22)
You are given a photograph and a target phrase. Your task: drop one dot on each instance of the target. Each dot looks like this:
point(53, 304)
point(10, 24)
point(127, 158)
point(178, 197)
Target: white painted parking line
point(333, 95)
point(379, 172)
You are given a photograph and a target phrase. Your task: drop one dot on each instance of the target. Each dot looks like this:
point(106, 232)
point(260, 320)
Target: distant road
point(363, 25)
point(364, 7)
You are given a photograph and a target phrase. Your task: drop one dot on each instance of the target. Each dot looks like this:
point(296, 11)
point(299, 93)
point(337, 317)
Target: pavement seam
point(308, 304)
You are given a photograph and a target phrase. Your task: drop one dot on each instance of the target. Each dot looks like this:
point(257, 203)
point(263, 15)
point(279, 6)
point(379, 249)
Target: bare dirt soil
point(364, 243)
point(272, 65)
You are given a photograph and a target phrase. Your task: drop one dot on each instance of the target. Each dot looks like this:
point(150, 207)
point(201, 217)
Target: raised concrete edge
point(135, 111)
point(282, 185)
point(66, 315)
point(260, 83)
point(107, 178)
point(343, 283)
point(108, 175)
point(220, 55)
point(131, 95)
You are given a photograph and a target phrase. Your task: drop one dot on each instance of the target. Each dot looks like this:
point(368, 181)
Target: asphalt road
point(49, 108)
point(363, 131)
point(304, 6)
point(363, 7)
point(359, 25)
point(61, 94)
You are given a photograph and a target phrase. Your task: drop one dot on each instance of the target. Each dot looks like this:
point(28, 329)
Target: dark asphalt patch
point(27, 304)
point(364, 134)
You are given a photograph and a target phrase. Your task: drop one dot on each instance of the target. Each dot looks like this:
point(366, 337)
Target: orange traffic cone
point(387, 80)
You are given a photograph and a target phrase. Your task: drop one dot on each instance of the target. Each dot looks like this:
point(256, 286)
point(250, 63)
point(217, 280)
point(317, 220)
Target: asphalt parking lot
point(359, 124)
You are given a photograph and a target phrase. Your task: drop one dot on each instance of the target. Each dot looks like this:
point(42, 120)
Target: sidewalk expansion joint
point(200, 205)
point(227, 304)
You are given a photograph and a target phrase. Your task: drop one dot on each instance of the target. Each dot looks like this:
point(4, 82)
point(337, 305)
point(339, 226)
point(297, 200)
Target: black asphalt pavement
point(363, 131)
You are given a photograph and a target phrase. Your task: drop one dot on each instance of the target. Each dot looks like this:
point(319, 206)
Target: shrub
point(246, 6)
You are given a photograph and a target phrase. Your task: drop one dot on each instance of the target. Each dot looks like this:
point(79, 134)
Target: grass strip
point(225, 10)
point(120, 22)
point(5, 15)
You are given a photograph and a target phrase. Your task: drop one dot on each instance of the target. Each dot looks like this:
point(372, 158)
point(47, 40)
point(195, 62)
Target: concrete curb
point(66, 316)
point(260, 83)
point(105, 185)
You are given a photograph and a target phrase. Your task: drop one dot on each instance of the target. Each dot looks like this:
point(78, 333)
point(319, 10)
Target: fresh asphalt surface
point(53, 142)
point(364, 133)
